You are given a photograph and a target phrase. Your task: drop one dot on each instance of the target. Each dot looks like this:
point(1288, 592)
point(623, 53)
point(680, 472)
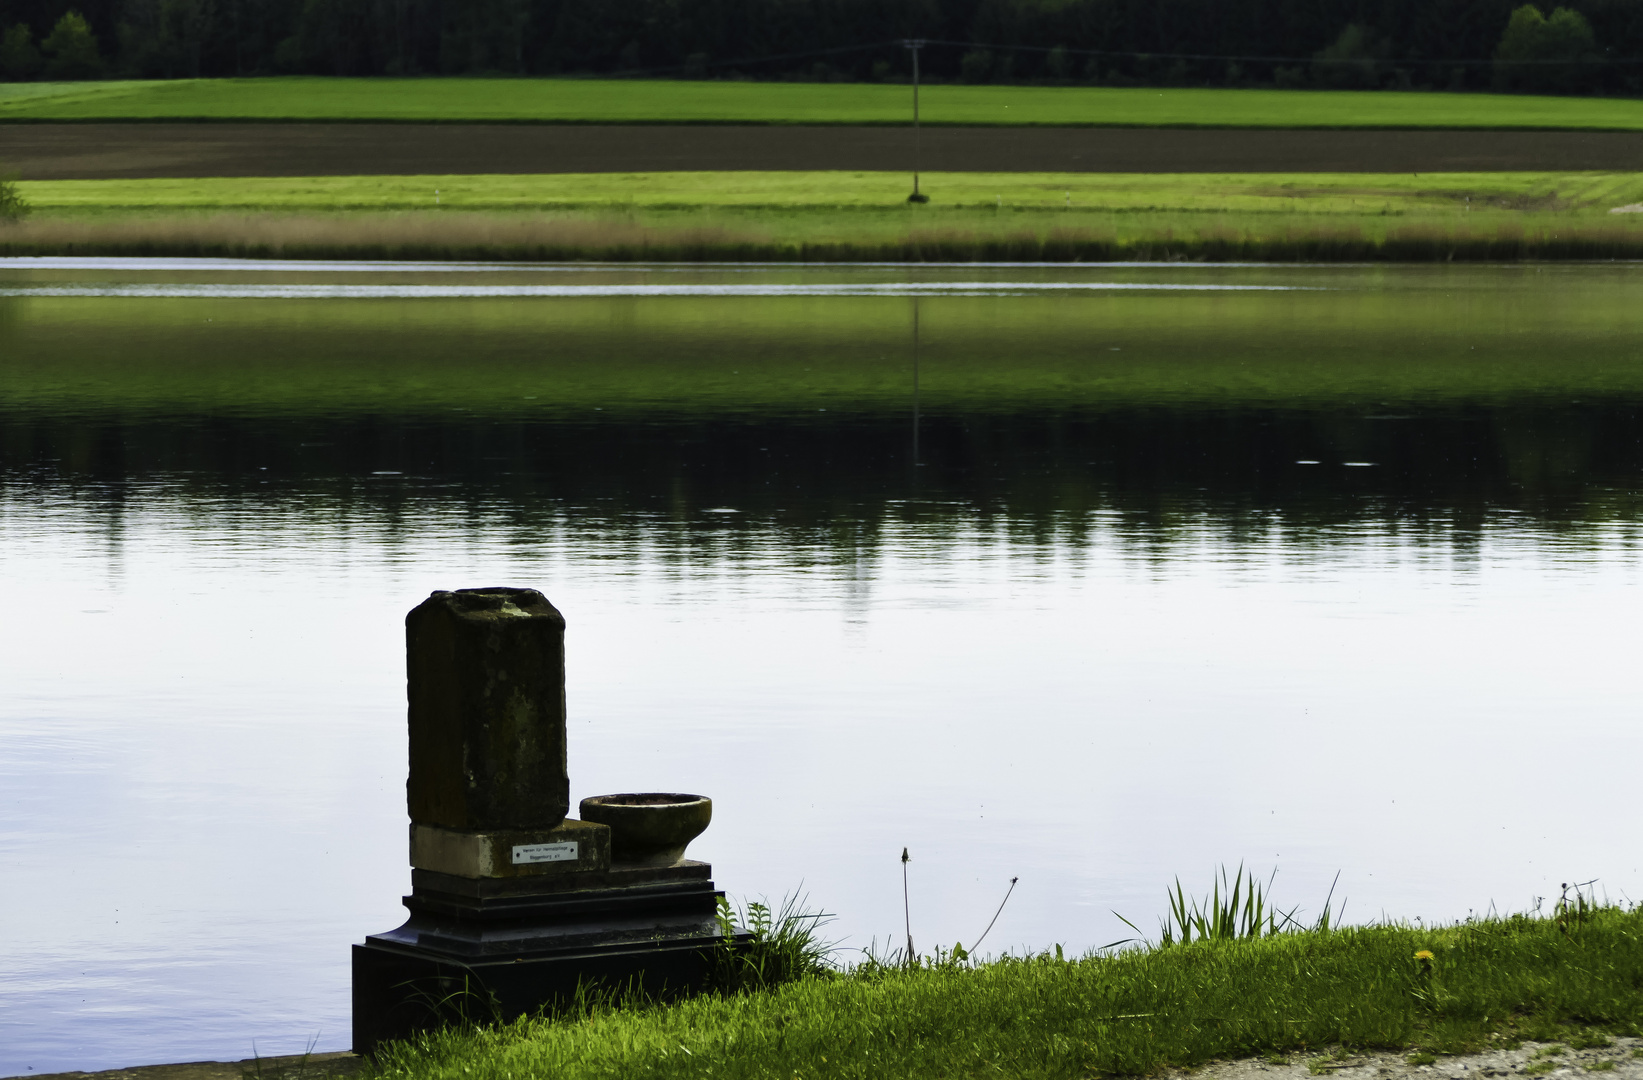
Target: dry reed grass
point(569, 237)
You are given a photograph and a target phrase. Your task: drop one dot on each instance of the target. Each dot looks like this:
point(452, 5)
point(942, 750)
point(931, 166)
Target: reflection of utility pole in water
point(915, 390)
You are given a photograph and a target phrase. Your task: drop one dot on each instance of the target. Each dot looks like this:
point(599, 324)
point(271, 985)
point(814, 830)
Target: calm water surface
point(1088, 575)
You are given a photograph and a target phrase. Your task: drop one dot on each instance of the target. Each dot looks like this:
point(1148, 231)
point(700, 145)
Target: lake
point(1090, 576)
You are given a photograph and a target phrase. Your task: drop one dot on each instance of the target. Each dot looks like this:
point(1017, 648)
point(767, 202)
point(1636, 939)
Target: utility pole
point(914, 45)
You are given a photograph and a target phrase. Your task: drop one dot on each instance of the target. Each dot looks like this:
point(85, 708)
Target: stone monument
point(512, 903)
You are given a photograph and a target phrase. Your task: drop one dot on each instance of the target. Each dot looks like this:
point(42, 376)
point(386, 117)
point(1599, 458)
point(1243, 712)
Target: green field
point(797, 216)
point(1329, 194)
point(654, 101)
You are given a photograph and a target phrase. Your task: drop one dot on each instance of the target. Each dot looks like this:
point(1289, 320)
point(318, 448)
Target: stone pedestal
point(572, 847)
point(484, 948)
point(512, 904)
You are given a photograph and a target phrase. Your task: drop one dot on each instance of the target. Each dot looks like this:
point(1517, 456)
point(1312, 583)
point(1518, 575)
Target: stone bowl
point(649, 828)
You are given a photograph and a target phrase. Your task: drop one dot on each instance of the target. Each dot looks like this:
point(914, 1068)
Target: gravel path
point(1549, 1061)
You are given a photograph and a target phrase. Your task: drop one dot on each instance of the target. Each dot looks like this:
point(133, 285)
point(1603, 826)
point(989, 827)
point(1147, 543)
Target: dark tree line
point(1592, 46)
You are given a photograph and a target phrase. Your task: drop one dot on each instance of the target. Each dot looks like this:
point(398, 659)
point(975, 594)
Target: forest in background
point(1591, 46)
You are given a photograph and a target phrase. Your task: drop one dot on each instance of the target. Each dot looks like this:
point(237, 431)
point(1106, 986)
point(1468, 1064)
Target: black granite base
point(487, 950)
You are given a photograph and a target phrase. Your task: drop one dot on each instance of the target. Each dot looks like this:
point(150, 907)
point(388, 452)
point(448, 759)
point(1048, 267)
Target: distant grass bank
point(863, 216)
point(1486, 983)
point(800, 193)
point(607, 101)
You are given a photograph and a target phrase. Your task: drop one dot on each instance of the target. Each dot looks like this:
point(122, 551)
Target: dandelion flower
point(1424, 954)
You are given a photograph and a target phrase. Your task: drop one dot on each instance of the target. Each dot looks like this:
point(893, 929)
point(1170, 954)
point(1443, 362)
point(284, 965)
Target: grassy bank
point(1488, 983)
point(798, 216)
point(657, 101)
point(1317, 195)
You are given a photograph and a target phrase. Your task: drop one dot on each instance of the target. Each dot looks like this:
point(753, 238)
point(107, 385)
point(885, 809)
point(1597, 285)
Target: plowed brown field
point(137, 150)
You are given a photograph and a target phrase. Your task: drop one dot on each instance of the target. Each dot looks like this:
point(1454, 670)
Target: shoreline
point(1624, 1055)
point(327, 1066)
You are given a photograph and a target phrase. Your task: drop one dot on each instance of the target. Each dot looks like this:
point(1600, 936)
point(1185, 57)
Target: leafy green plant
point(13, 207)
point(784, 945)
point(1422, 1058)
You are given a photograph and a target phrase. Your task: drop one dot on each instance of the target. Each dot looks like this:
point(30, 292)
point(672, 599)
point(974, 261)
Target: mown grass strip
point(606, 101)
point(845, 216)
point(1488, 982)
point(1351, 194)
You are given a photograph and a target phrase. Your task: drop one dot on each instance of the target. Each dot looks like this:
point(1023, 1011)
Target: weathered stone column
point(488, 788)
point(512, 903)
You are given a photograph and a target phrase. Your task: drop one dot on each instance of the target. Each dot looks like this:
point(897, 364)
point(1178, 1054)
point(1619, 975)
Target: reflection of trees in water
point(833, 482)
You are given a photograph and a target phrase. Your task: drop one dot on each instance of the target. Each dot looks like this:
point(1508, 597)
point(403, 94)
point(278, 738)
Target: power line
point(1237, 58)
point(1273, 59)
point(767, 59)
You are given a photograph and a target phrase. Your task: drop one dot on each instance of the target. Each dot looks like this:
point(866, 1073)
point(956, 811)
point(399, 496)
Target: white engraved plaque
point(536, 853)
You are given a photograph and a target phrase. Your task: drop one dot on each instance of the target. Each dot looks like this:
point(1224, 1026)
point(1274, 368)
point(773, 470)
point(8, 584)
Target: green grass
point(657, 101)
point(23, 93)
point(848, 216)
point(1342, 195)
point(1597, 1042)
point(1125, 1014)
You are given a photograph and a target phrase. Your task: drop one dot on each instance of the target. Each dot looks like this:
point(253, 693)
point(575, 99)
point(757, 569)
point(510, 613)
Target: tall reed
point(815, 237)
point(1235, 908)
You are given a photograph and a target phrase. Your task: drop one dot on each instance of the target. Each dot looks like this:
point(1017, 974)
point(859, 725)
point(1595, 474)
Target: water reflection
point(882, 572)
point(1556, 462)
